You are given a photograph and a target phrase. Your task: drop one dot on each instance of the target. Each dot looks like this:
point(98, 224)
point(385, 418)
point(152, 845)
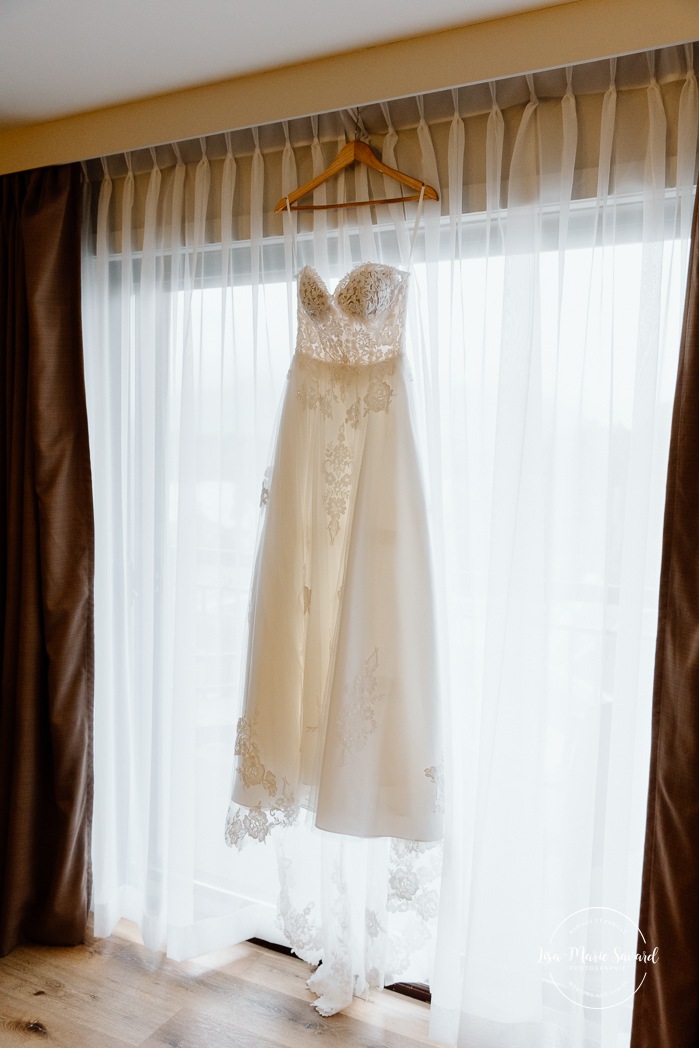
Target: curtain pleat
point(666, 1009)
point(46, 567)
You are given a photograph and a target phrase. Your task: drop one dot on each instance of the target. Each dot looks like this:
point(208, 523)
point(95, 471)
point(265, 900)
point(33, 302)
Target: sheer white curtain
point(559, 359)
point(544, 333)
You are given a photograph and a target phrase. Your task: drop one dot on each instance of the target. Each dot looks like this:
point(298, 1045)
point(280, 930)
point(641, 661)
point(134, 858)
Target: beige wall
point(554, 36)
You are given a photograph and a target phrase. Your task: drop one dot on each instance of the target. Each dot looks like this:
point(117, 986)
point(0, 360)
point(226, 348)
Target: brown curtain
point(46, 566)
point(666, 1006)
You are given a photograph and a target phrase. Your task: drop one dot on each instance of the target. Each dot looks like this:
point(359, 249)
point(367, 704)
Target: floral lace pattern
point(376, 921)
point(264, 493)
point(414, 866)
point(361, 323)
point(313, 293)
point(414, 872)
point(251, 769)
point(356, 720)
point(257, 822)
point(372, 924)
point(298, 924)
point(338, 481)
point(378, 396)
point(311, 396)
point(436, 775)
point(358, 391)
point(334, 981)
point(367, 292)
point(352, 415)
point(323, 387)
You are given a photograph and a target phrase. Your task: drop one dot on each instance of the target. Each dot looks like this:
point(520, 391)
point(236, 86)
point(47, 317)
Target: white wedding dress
point(341, 701)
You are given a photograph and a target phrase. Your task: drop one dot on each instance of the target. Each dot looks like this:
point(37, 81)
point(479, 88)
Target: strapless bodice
point(361, 322)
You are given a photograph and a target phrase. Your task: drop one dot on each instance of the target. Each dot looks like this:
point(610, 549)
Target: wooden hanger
point(355, 151)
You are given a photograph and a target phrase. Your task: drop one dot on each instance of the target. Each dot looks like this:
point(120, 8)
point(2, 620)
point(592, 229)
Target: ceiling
point(74, 56)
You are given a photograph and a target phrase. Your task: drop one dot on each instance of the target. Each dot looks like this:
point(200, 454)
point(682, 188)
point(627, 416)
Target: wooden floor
point(114, 992)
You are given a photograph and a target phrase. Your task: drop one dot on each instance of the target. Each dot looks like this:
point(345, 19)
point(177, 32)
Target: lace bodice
point(362, 322)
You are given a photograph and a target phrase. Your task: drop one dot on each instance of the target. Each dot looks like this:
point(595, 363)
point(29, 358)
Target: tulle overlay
point(341, 701)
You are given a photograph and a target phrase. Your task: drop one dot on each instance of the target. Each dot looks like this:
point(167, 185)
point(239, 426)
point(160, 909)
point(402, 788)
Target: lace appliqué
point(264, 493)
point(313, 293)
point(411, 877)
point(303, 933)
point(372, 924)
point(251, 769)
point(311, 396)
point(362, 323)
point(338, 481)
point(357, 718)
point(334, 982)
point(323, 387)
point(414, 873)
point(257, 822)
point(378, 396)
point(367, 291)
point(398, 901)
point(352, 415)
point(436, 775)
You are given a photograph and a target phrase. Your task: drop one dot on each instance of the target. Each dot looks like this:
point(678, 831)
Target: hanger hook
point(360, 132)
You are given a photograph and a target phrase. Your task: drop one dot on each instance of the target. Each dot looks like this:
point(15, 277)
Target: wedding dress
point(341, 702)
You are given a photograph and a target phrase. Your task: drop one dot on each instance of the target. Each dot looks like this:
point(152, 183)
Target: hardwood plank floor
point(114, 993)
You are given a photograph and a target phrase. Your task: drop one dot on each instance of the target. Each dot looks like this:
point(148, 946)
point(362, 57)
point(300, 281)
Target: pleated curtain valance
point(246, 172)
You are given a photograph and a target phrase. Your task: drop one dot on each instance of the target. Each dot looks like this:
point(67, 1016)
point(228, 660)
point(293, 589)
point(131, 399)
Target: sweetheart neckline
point(354, 269)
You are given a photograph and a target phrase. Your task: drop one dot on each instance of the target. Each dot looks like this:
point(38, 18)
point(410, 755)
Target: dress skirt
point(341, 712)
